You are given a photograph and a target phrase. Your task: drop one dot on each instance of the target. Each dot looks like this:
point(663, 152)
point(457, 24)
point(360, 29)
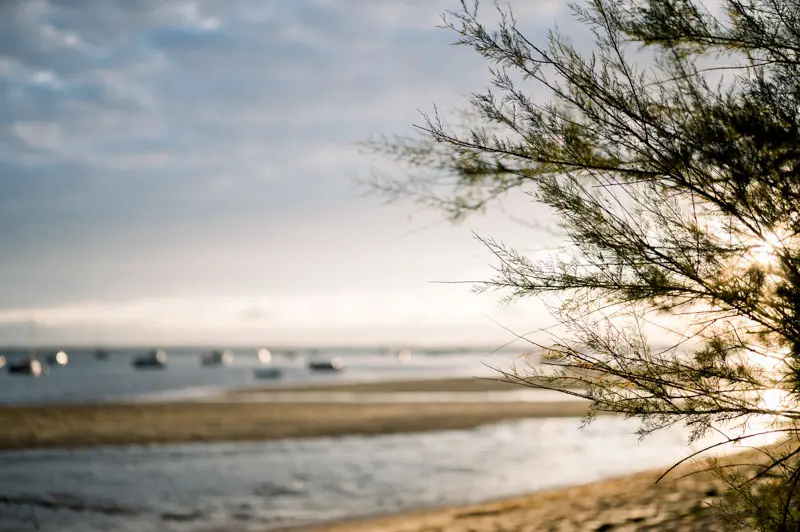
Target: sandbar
point(26, 427)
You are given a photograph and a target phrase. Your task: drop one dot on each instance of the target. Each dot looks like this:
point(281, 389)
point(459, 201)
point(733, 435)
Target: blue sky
point(186, 170)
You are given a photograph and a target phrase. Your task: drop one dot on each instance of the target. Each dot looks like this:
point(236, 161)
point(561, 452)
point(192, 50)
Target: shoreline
point(217, 420)
point(680, 502)
point(437, 384)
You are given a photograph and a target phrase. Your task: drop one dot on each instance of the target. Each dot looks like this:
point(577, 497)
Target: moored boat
point(30, 366)
point(59, 358)
point(334, 364)
point(153, 359)
point(217, 358)
point(403, 356)
point(264, 356)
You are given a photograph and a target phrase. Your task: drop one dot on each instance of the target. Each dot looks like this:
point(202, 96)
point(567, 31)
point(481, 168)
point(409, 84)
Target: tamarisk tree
point(670, 156)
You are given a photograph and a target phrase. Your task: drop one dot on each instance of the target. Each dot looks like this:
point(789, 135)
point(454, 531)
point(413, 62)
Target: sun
point(766, 251)
point(774, 399)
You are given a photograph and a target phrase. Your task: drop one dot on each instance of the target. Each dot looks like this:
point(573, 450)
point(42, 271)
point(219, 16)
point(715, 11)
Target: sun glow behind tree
point(676, 185)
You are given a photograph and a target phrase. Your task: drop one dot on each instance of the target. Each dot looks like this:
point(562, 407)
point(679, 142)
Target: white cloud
point(61, 38)
point(40, 135)
point(428, 315)
point(197, 151)
point(44, 77)
point(190, 14)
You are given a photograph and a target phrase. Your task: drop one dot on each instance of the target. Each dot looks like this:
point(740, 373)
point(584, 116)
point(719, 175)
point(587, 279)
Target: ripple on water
point(294, 482)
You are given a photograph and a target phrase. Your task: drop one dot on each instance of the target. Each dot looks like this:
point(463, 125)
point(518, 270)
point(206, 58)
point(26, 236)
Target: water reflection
point(263, 486)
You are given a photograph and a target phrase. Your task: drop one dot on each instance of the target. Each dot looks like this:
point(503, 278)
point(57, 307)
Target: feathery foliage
point(671, 158)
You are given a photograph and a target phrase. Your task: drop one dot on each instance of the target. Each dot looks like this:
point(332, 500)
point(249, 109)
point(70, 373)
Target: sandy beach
point(629, 503)
point(217, 421)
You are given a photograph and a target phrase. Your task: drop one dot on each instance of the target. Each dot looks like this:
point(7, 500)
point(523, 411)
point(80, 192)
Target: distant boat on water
point(153, 359)
point(2, 361)
point(264, 356)
point(217, 358)
point(102, 354)
point(30, 366)
point(59, 358)
point(403, 356)
point(334, 364)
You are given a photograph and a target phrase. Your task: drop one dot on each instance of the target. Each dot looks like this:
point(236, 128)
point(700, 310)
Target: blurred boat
point(403, 356)
point(334, 364)
point(264, 356)
point(217, 358)
point(267, 373)
point(155, 359)
point(59, 358)
point(30, 367)
point(101, 354)
point(2, 361)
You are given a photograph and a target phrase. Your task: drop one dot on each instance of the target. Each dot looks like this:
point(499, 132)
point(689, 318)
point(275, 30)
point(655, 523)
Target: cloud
point(142, 143)
point(423, 316)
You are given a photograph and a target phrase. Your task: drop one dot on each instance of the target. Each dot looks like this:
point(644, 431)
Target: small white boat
point(217, 358)
point(59, 358)
point(264, 356)
point(403, 356)
point(30, 367)
point(334, 364)
point(153, 359)
point(2, 361)
point(267, 373)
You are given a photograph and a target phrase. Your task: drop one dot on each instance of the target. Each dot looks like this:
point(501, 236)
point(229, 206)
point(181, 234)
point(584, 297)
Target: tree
point(671, 158)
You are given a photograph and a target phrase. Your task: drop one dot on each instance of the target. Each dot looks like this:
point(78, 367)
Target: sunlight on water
point(275, 485)
point(764, 429)
point(761, 431)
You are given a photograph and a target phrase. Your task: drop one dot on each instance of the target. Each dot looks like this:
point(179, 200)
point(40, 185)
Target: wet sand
point(465, 384)
point(123, 424)
point(218, 421)
point(630, 503)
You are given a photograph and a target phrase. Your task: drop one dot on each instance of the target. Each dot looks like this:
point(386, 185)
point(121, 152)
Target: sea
point(88, 380)
point(292, 483)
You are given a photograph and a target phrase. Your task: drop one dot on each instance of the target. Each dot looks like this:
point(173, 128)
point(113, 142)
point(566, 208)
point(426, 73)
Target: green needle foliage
point(670, 156)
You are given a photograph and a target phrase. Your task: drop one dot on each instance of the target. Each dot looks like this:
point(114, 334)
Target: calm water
point(273, 485)
point(266, 486)
point(85, 379)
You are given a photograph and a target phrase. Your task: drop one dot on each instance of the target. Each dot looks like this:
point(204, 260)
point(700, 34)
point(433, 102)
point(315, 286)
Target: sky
point(185, 172)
